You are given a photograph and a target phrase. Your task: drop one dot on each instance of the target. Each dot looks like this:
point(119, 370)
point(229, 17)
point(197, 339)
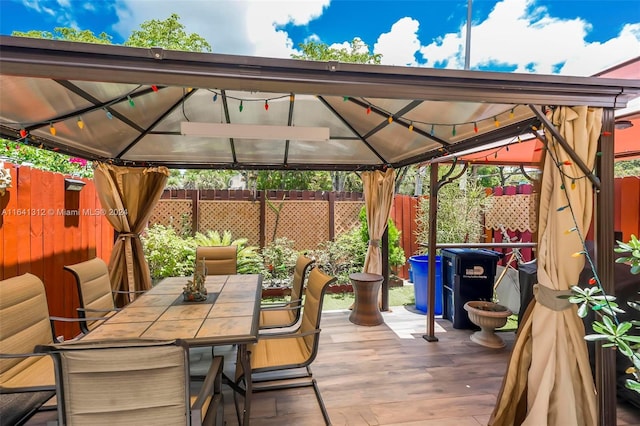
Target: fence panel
point(43, 227)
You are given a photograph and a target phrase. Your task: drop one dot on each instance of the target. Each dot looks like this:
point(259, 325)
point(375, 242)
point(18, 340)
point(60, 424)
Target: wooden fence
point(520, 227)
point(306, 217)
point(43, 227)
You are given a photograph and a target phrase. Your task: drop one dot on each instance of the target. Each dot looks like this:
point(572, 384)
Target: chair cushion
point(219, 260)
point(24, 323)
point(38, 372)
point(94, 284)
point(276, 317)
point(144, 385)
point(278, 352)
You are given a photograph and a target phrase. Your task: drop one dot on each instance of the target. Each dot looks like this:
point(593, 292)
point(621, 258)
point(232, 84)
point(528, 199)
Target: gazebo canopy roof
point(132, 103)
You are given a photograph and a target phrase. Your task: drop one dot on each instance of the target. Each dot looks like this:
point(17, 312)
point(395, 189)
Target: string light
point(475, 127)
point(592, 281)
point(215, 97)
point(566, 163)
point(368, 109)
point(390, 119)
point(292, 97)
point(80, 123)
point(240, 108)
point(569, 231)
point(453, 130)
point(345, 98)
point(154, 87)
point(562, 208)
point(496, 122)
point(266, 105)
point(23, 133)
point(108, 114)
point(131, 103)
point(511, 113)
point(52, 129)
point(573, 184)
point(432, 130)
point(578, 254)
point(411, 126)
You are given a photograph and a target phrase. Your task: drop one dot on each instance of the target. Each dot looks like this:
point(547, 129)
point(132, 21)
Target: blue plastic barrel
point(420, 267)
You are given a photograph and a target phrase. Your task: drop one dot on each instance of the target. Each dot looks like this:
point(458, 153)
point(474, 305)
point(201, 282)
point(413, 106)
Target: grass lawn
point(398, 296)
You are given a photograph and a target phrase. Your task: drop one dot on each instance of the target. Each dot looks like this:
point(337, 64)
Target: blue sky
point(571, 37)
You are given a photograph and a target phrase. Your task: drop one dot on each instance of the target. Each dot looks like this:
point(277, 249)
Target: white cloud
point(520, 35)
point(232, 27)
point(399, 45)
point(517, 34)
point(595, 57)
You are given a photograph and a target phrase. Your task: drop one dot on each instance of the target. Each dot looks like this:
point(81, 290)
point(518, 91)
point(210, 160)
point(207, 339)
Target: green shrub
point(167, 253)
point(396, 253)
point(280, 259)
point(249, 260)
point(343, 256)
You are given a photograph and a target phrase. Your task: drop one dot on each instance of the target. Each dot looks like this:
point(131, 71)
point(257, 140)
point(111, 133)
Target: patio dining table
point(229, 315)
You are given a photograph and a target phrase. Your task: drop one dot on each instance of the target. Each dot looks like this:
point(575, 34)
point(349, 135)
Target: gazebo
point(143, 109)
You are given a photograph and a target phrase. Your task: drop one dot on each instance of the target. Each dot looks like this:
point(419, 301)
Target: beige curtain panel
point(549, 381)
point(378, 197)
point(129, 195)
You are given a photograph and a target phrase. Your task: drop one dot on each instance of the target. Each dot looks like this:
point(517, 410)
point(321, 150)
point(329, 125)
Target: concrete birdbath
point(488, 316)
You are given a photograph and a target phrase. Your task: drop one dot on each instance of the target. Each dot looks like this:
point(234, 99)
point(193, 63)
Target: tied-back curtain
point(378, 197)
point(129, 194)
point(549, 381)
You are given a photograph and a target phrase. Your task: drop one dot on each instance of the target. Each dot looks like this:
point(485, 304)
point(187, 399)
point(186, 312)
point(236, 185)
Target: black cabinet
point(467, 274)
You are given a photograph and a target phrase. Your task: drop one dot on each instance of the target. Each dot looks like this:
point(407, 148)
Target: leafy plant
point(632, 247)
point(280, 259)
point(396, 253)
point(343, 256)
point(609, 329)
point(249, 260)
point(167, 253)
point(459, 213)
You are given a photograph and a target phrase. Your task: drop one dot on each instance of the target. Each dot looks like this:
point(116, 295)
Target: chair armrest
point(205, 397)
point(65, 319)
point(283, 305)
point(281, 308)
point(97, 310)
point(288, 335)
point(128, 292)
point(21, 355)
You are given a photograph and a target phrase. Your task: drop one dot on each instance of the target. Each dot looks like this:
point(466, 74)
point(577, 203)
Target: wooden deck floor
point(389, 375)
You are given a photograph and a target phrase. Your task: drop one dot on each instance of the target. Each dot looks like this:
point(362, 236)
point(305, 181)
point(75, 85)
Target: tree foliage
point(357, 52)
point(67, 34)
point(168, 34)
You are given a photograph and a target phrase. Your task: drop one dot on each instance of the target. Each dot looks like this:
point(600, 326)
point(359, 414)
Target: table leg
point(245, 360)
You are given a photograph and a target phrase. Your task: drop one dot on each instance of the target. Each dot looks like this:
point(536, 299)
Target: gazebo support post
point(434, 185)
point(604, 245)
point(385, 269)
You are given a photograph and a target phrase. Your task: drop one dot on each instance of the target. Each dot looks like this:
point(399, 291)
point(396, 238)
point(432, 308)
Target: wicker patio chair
point(94, 291)
point(217, 260)
point(282, 360)
point(134, 382)
point(281, 315)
